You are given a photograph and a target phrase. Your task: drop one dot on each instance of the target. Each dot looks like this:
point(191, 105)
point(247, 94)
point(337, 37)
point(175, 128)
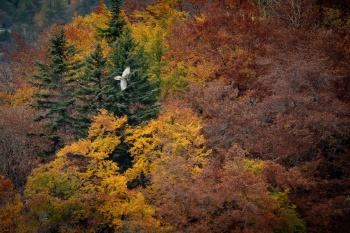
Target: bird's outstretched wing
point(123, 84)
point(126, 72)
point(117, 78)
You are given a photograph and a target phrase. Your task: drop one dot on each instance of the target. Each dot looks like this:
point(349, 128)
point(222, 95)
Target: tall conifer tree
point(139, 100)
point(53, 83)
point(90, 91)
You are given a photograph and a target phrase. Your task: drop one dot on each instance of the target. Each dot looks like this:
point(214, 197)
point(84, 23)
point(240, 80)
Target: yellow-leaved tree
point(171, 146)
point(83, 191)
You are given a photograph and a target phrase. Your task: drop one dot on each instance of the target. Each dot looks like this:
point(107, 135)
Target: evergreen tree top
point(116, 8)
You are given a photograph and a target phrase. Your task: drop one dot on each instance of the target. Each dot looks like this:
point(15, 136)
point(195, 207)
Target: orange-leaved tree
point(83, 32)
point(10, 205)
point(219, 42)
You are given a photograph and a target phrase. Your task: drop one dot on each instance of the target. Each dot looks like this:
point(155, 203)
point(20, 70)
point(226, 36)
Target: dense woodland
point(235, 118)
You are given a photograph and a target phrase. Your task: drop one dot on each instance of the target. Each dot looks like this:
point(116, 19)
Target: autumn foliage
point(236, 119)
point(81, 191)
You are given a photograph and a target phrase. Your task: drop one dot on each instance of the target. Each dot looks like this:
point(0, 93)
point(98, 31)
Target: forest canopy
point(233, 116)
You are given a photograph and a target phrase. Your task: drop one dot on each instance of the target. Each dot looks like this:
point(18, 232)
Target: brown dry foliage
point(291, 108)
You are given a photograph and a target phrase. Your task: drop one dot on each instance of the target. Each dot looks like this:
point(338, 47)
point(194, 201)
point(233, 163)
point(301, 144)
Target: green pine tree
point(54, 85)
point(139, 101)
point(90, 91)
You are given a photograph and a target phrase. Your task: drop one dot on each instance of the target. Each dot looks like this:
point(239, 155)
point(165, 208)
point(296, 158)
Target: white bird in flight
point(123, 79)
